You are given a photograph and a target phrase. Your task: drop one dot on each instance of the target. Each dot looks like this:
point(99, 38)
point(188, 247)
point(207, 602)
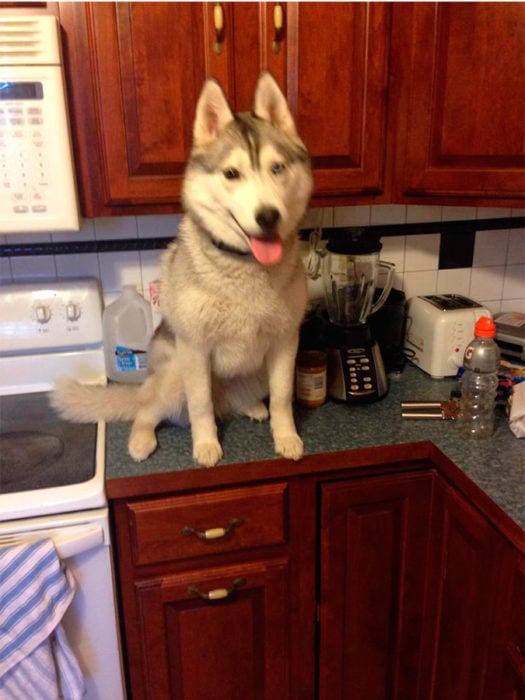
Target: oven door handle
point(69, 544)
point(69, 541)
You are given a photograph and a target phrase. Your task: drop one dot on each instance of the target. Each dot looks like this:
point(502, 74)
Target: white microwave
point(37, 176)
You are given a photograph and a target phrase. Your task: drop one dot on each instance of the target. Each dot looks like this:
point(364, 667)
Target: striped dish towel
point(35, 658)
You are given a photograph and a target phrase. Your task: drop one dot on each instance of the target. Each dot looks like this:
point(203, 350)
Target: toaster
point(439, 327)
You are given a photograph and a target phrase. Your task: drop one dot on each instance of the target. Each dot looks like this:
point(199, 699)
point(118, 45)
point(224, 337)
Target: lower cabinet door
point(373, 551)
point(214, 634)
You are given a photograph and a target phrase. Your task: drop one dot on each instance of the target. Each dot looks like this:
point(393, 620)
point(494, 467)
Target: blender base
point(356, 373)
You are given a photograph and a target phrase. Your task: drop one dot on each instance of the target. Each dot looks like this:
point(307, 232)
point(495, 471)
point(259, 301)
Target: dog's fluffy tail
point(81, 403)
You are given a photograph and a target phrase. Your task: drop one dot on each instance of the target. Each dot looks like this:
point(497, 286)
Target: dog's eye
point(231, 174)
point(277, 168)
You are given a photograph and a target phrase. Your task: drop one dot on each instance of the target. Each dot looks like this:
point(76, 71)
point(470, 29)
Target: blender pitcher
point(350, 271)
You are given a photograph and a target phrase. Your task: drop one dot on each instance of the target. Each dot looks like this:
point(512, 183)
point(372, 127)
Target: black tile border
point(456, 251)
point(457, 228)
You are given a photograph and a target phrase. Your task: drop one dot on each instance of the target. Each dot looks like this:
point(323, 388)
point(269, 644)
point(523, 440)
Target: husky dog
point(233, 288)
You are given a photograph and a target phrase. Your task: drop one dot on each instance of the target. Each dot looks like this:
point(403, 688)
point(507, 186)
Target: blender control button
point(368, 386)
point(350, 362)
point(367, 379)
point(354, 387)
point(366, 368)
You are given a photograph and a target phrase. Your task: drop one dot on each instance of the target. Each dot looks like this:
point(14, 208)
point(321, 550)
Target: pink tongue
point(268, 251)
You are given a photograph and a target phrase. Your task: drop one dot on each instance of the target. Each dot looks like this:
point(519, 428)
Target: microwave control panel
point(37, 180)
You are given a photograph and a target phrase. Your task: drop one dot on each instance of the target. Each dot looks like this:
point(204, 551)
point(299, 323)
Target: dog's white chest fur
point(236, 313)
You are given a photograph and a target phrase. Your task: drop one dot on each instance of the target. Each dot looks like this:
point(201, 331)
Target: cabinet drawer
point(181, 527)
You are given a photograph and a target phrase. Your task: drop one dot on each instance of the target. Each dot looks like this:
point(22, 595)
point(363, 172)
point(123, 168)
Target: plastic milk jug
point(127, 326)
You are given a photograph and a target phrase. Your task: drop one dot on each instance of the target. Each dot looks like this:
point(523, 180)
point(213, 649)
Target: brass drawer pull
point(216, 593)
point(213, 533)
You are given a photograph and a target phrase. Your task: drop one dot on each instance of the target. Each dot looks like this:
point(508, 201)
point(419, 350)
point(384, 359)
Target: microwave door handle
point(82, 540)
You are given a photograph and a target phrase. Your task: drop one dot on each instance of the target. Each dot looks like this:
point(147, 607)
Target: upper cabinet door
point(337, 80)
point(150, 63)
point(462, 101)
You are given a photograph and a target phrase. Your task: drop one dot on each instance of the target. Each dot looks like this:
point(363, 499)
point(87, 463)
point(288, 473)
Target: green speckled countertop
point(496, 465)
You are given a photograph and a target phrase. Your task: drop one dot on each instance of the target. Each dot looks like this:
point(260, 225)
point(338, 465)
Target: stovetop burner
point(38, 449)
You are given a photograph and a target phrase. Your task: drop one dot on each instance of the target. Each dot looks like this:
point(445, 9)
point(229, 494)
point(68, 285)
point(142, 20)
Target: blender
point(350, 269)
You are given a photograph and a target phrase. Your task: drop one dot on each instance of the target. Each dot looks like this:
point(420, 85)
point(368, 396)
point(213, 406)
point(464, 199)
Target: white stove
point(52, 473)
point(48, 331)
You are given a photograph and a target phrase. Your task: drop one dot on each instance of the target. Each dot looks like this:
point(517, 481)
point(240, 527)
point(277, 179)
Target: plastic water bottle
point(479, 381)
point(127, 327)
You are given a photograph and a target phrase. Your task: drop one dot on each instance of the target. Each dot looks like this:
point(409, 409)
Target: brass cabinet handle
point(216, 593)
point(278, 24)
point(218, 23)
point(213, 533)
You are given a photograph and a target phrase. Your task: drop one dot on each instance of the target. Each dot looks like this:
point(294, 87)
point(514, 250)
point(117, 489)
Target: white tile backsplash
point(486, 283)
point(111, 227)
point(456, 213)
point(388, 214)
point(150, 266)
point(514, 282)
point(86, 233)
point(352, 216)
point(418, 214)
point(422, 252)
point(31, 267)
point(118, 269)
point(490, 248)
point(394, 251)
point(516, 248)
point(497, 277)
point(419, 283)
point(456, 281)
point(158, 226)
point(85, 265)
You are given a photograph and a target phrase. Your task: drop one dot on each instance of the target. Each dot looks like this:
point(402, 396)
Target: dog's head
point(248, 180)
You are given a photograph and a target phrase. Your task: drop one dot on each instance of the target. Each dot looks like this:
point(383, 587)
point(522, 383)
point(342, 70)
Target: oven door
point(91, 621)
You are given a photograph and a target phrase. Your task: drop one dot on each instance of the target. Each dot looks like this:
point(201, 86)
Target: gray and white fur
point(233, 288)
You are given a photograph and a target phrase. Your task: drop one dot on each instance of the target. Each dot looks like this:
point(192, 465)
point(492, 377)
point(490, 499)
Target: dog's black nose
point(267, 217)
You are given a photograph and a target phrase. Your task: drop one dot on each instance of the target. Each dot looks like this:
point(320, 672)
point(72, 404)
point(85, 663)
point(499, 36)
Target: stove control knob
point(72, 312)
point(43, 313)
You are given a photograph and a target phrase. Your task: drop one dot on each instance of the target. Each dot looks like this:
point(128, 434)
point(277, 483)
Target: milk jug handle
point(390, 268)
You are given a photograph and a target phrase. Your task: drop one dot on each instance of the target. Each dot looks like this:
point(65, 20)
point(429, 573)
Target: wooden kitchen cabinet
point(460, 112)
point(397, 102)
point(337, 85)
point(342, 577)
point(135, 71)
point(218, 592)
point(506, 671)
point(373, 551)
point(466, 555)
point(216, 633)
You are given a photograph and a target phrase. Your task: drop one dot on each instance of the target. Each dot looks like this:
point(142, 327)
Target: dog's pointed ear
point(270, 104)
point(212, 114)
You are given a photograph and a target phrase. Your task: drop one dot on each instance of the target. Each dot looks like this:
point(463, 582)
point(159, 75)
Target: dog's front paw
point(289, 446)
point(141, 444)
point(207, 454)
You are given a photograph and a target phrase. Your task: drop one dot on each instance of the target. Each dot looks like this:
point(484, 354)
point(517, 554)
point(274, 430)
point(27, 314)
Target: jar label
point(310, 386)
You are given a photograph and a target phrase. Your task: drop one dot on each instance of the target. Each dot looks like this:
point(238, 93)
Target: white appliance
point(37, 179)
point(438, 329)
point(52, 472)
